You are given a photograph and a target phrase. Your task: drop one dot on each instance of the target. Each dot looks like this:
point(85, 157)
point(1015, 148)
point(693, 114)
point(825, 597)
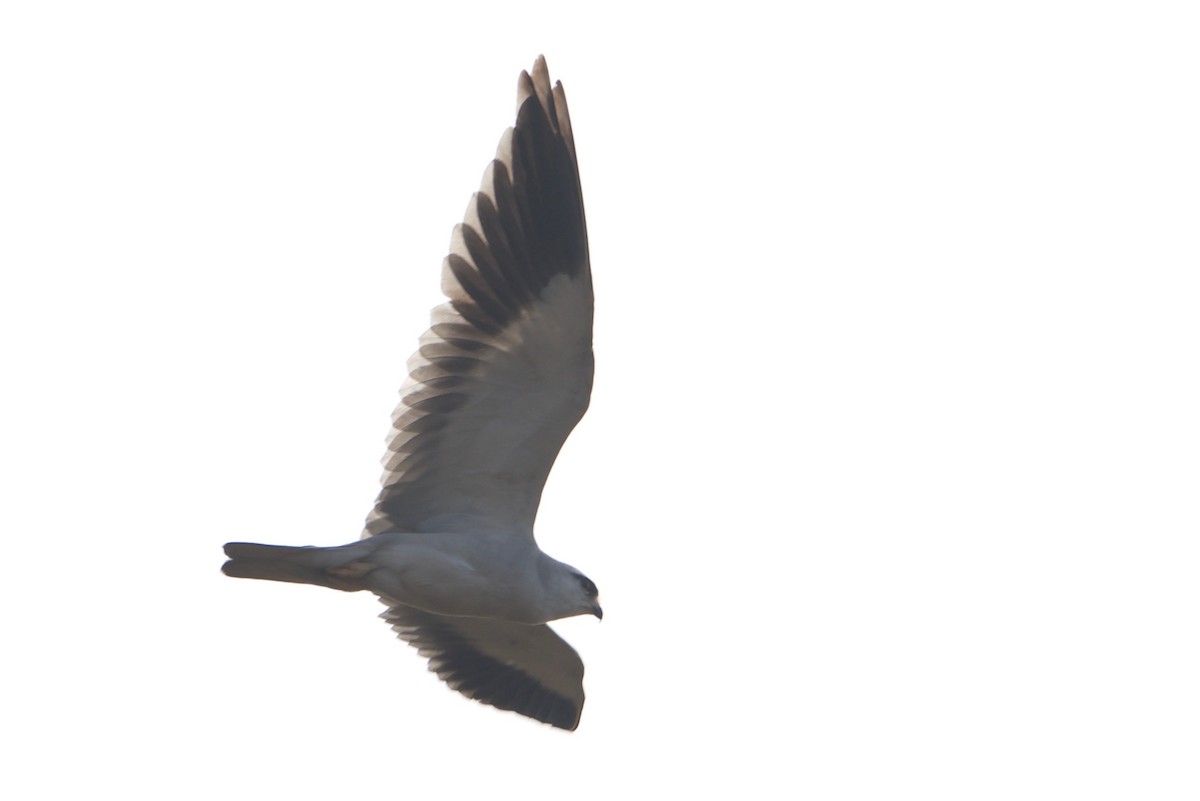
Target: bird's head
point(591, 597)
point(565, 592)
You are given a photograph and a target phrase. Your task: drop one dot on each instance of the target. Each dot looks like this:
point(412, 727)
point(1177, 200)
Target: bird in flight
point(497, 383)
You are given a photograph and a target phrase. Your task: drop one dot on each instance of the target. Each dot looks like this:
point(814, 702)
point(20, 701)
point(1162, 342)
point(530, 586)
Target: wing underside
point(505, 370)
point(526, 669)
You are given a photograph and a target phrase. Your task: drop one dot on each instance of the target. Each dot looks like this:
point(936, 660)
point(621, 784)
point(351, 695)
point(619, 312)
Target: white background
point(890, 477)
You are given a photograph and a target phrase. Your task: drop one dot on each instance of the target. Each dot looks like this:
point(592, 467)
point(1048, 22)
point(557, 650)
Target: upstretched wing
point(505, 371)
point(526, 669)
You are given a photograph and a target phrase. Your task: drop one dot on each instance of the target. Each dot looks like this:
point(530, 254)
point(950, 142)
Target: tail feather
point(300, 565)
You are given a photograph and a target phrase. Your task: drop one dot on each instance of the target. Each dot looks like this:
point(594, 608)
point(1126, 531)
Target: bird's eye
point(588, 586)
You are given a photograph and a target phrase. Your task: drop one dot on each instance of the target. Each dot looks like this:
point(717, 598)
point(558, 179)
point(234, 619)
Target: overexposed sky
point(889, 481)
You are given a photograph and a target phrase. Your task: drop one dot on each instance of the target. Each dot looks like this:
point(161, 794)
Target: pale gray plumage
point(498, 382)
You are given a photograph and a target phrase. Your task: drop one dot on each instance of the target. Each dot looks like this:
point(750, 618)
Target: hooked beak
point(598, 612)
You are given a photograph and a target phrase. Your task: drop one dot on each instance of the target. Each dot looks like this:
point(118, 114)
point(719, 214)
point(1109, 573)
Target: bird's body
point(497, 383)
point(457, 573)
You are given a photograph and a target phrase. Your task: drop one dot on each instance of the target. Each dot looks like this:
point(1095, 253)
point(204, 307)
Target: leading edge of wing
point(504, 372)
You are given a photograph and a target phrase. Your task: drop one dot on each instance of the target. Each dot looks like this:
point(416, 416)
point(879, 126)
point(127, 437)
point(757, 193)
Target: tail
point(336, 568)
